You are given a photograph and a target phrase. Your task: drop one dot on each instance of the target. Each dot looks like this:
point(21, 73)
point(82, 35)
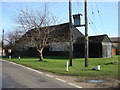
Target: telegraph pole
point(77, 23)
point(86, 35)
point(2, 41)
point(70, 30)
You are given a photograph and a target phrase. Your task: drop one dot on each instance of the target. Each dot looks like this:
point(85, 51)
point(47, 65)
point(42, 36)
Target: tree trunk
point(40, 54)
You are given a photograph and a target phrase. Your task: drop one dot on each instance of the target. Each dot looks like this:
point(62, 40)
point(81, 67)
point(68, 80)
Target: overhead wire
point(92, 11)
point(94, 28)
point(100, 18)
point(93, 15)
point(75, 9)
point(91, 23)
point(94, 20)
point(92, 8)
point(78, 4)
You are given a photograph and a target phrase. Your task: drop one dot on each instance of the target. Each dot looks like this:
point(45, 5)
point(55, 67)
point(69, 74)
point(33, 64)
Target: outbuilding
point(100, 46)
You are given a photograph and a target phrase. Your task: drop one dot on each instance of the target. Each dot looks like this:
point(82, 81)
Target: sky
point(104, 22)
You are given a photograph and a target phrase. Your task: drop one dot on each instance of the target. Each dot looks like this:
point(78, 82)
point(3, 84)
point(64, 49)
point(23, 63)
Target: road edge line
point(24, 67)
point(75, 85)
point(60, 79)
point(40, 72)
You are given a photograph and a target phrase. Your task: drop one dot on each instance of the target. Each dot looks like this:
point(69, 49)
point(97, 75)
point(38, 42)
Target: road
point(15, 76)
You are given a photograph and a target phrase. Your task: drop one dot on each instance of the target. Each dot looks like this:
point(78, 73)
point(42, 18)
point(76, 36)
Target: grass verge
point(109, 66)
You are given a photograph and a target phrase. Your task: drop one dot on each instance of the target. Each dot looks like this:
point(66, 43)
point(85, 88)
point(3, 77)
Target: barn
point(58, 44)
point(60, 47)
point(100, 46)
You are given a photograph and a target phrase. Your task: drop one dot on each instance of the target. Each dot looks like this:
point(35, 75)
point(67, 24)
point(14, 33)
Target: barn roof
point(99, 38)
point(95, 39)
point(115, 39)
point(60, 32)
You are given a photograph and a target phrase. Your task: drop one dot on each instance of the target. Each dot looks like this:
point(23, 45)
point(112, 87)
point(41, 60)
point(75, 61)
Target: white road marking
point(49, 75)
point(40, 73)
point(75, 85)
point(24, 67)
point(60, 80)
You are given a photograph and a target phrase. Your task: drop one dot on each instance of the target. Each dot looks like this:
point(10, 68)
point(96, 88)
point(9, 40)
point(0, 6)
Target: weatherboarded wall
point(106, 50)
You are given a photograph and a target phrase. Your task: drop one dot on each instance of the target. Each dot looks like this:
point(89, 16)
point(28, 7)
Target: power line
point(92, 11)
point(77, 9)
point(79, 6)
point(94, 26)
point(100, 18)
point(93, 17)
point(91, 23)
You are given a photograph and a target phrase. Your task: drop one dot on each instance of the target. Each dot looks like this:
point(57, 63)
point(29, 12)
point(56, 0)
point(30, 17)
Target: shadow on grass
point(55, 57)
point(111, 63)
point(37, 60)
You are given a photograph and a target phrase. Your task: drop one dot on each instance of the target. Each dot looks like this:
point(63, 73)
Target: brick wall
point(113, 51)
point(116, 51)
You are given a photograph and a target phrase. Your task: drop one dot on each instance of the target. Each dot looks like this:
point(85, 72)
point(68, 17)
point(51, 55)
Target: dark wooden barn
point(58, 44)
point(99, 47)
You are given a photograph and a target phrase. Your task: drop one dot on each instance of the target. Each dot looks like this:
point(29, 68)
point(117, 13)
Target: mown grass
point(109, 66)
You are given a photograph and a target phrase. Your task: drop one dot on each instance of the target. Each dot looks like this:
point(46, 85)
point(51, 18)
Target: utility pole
point(86, 35)
point(2, 41)
point(77, 23)
point(71, 32)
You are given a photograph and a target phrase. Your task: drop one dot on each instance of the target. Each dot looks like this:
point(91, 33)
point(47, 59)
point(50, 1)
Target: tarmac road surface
point(15, 76)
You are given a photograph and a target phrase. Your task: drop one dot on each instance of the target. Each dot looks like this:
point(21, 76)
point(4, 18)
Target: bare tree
point(12, 37)
point(36, 23)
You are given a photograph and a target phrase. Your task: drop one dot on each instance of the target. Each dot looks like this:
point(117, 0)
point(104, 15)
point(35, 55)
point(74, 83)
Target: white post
point(67, 66)
point(19, 57)
point(9, 56)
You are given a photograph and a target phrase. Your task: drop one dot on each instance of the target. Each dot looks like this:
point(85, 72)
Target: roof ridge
point(99, 35)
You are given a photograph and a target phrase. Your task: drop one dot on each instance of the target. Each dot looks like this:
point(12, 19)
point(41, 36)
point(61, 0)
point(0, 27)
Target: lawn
point(109, 66)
